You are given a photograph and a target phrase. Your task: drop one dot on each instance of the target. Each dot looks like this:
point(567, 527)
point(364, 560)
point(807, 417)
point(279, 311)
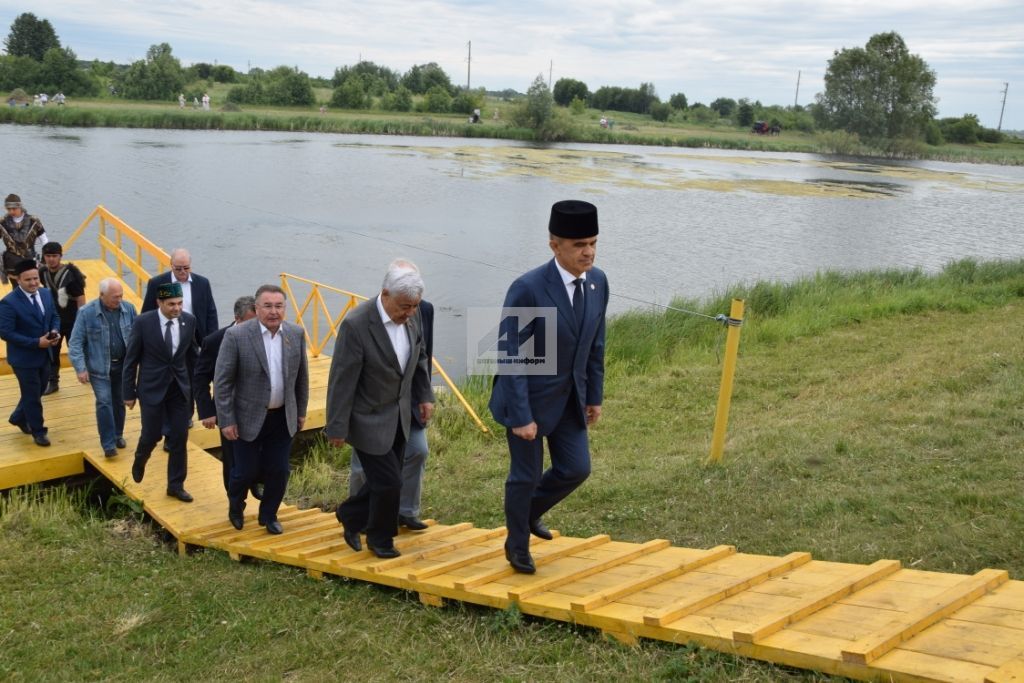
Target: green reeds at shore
point(875, 415)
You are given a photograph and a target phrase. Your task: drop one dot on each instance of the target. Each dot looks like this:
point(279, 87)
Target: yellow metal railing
point(114, 236)
point(313, 313)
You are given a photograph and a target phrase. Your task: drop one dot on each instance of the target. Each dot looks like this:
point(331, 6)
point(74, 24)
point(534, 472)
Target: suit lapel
point(555, 289)
point(380, 336)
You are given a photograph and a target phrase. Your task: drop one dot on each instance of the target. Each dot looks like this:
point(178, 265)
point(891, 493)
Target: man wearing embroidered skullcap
point(23, 236)
point(559, 402)
point(67, 286)
point(158, 366)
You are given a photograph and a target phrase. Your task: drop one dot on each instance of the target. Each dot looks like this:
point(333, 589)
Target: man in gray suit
point(261, 387)
point(378, 371)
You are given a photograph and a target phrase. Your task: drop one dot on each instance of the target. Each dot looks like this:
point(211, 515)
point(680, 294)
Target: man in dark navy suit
point(29, 324)
point(196, 293)
point(158, 365)
point(558, 406)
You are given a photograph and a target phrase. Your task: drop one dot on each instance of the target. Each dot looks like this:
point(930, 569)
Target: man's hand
point(337, 443)
point(230, 432)
point(46, 341)
point(526, 432)
point(426, 412)
point(83, 377)
point(210, 422)
point(593, 414)
point(129, 404)
point(301, 420)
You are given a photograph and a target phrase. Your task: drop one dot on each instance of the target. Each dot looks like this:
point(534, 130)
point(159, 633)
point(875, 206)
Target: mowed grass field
point(876, 415)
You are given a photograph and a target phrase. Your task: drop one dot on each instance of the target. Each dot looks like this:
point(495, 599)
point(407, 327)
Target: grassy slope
point(875, 416)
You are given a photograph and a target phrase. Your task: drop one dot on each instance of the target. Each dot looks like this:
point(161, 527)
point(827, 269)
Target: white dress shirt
point(186, 293)
point(272, 344)
point(398, 334)
point(175, 330)
point(568, 278)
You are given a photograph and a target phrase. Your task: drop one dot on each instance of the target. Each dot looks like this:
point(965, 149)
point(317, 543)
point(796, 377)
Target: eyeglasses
point(181, 269)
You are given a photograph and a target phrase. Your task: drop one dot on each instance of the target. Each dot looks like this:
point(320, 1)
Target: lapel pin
point(592, 286)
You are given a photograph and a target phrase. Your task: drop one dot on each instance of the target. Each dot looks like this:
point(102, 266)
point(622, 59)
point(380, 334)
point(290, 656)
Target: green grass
point(876, 415)
point(634, 129)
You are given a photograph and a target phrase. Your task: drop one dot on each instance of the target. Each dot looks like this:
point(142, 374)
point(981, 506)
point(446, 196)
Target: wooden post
point(732, 346)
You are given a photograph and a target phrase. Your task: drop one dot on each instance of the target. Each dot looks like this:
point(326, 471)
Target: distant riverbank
point(631, 129)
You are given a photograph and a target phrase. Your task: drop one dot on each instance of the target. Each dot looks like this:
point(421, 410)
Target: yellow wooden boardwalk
point(879, 621)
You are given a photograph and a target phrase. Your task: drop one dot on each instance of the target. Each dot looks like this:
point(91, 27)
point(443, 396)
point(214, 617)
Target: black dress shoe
point(413, 523)
point(121, 443)
point(540, 530)
point(384, 553)
point(23, 426)
point(111, 453)
point(236, 519)
point(352, 538)
point(41, 440)
point(520, 561)
point(181, 494)
point(138, 469)
point(274, 527)
point(51, 388)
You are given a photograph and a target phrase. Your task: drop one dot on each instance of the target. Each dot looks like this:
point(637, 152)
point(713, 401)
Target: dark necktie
point(577, 302)
point(167, 337)
point(35, 303)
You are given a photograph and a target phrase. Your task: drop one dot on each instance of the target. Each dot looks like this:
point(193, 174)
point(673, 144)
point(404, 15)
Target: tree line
point(880, 93)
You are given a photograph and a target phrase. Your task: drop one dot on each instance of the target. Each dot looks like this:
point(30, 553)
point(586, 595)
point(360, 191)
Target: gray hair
point(106, 282)
point(243, 305)
point(403, 281)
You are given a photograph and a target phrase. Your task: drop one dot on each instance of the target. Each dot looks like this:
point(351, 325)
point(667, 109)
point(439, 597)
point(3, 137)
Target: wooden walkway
point(879, 621)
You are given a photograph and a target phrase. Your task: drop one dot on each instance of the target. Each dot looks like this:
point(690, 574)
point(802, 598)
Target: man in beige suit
point(261, 387)
point(378, 371)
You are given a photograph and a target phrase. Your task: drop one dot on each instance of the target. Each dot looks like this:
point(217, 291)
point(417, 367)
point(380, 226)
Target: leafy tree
point(157, 77)
point(422, 77)
point(249, 93)
point(660, 111)
point(745, 113)
point(537, 109)
point(351, 94)
point(437, 100)
point(18, 71)
point(377, 80)
point(222, 73)
point(678, 101)
point(288, 87)
point(31, 37)
point(199, 71)
point(568, 89)
point(725, 106)
point(60, 72)
point(577, 106)
point(878, 91)
point(400, 100)
point(637, 100)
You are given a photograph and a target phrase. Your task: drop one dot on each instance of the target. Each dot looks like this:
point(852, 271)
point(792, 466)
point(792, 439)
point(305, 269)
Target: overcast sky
point(703, 48)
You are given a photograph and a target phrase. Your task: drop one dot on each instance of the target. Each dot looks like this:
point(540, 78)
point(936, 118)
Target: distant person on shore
point(206, 364)
point(23, 236)
point(29, 324)
point(96, 349)
point(59, 99)
point(378, 373)
point(181, 100)
point(67, 286)
point(195, 102)
point(206, 102)
point(560, 405)
point(414, 459)
point(261, 387)
point(158, 363)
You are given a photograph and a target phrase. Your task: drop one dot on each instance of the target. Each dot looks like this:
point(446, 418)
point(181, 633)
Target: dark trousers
point(55, 353)
point(174, 411)
point(29, 410)
point(265, 457)
point(529, 490)
point(374, 508)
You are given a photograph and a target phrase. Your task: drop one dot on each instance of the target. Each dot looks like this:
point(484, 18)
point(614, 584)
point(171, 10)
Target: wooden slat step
point(492, 575)
point(447, 547)
point(1011, 672)
point(949, 601)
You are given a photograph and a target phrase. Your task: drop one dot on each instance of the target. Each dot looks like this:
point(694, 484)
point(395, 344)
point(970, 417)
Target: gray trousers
point(413, 465)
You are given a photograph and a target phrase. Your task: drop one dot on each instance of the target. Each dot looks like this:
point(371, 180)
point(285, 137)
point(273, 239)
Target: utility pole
point(1006, 87)
point(796, 99)
point(551, 68)
point(469, 62)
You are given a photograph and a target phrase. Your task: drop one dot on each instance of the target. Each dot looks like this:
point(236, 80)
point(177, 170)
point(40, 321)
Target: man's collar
point(567, 277)
point(384, 317)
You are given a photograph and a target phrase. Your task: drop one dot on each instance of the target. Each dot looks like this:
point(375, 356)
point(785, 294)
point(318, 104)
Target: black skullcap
point(25, 264)
point(573, 219)
point(53, 248)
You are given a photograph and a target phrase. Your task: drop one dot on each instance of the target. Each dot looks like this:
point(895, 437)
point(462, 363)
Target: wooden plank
point(551, 582)
point(443, 549)
point(687, 605)
point(492, 575)
point(635, 585)
point(870, 648)
point(1010, 672)
point(816, 600)
point(482, 555)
